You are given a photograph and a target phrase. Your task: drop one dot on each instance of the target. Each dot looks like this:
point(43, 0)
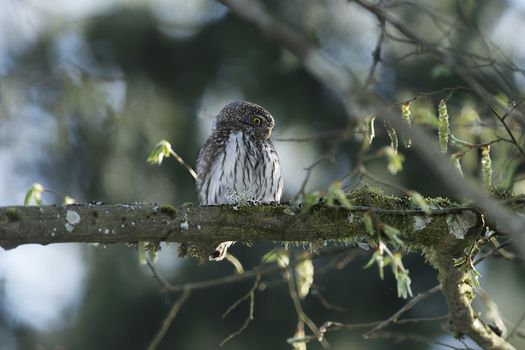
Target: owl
point(238, 163)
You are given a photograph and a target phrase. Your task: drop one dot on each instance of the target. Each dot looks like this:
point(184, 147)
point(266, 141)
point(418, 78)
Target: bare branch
point(516, 328)
point(395, 317)
point(457, 287)
point(292, 288)
point(107, 224)
point(376, 54)
point(326, 304)
point(400, 337)
point(159, 277)
point(169, 319)
point(250, 295)
point(330, 326)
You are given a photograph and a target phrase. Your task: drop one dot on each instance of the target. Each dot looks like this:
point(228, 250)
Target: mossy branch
point(457, 288)
point(445, 235)
point(119, 223)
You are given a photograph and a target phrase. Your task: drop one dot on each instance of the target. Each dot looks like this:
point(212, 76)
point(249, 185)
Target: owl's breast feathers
point(233, 167)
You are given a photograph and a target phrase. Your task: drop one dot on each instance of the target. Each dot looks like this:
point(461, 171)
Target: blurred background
point(88, 87)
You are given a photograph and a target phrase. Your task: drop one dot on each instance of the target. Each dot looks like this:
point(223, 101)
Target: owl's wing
point(217, 168)
point(204, 164)
point(273, 188)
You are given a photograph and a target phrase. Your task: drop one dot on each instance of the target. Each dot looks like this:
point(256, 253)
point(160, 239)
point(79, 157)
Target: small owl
point(238, 163)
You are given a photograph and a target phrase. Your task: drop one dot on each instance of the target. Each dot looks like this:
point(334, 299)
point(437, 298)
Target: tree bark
point(114, 223)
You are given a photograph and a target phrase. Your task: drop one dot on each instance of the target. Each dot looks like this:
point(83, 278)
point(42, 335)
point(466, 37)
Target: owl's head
point(247, 117)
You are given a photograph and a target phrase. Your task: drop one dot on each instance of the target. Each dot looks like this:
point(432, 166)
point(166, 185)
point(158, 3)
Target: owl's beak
point(267, 133)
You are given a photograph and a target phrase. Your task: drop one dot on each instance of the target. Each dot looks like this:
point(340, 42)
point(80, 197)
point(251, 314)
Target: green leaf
point(304, 274)
point(403, 285)
point(336, 194)
point(459, 262)
point(393, 235)
point(401, 275)
point(419, 201)
point(474, 276)
point(69, 200)
point(35, 194)
point(444, 127)
point(380, 260)
point(395, 160)
point(162, 150)
point(309, 200)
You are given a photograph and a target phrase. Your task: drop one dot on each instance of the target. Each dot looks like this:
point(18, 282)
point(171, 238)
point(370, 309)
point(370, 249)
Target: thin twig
point(300, 312)
point(516, 327)
point(326, 304)
point(251, 295)
point(330, 326)
point(225, 280)
point(399, 337)
point(392, 319)
point(243, 298)
point(423, 94)
point(158, 276)
point(328, 156)
point(246, 275)
point(184, 164)
point(376, 54)
point(169, 319)
point(491, 252)
point(507, 128)
point(317, 136)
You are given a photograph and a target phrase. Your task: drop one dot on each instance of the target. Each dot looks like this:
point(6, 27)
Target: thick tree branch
point(446, 235)
point(106, 224)
point(457, 287)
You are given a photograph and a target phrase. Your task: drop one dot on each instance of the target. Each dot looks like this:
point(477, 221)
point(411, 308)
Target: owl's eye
point(256, 121)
